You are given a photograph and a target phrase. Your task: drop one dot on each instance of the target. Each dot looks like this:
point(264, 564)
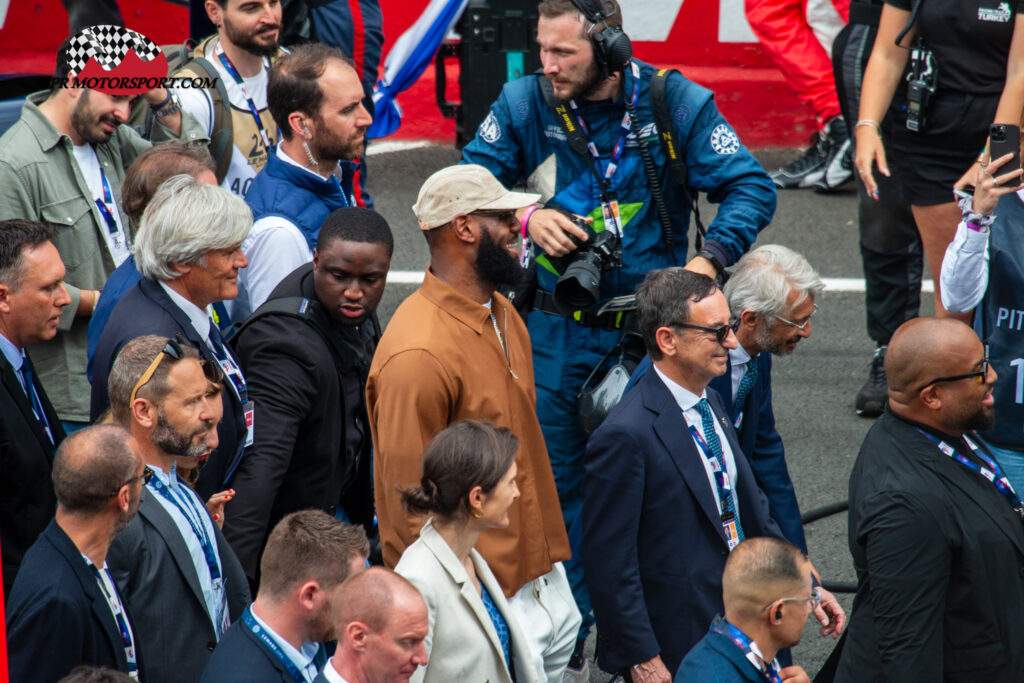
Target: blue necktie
point(746, 384)
point(37, 406)
point(707, 419)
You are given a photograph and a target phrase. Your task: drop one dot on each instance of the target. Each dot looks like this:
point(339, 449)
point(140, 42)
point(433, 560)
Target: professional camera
point(578, 288)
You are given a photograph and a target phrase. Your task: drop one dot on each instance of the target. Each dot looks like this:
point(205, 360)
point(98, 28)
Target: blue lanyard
point(230, 367)
point(770, 672)
point(122, 623)
point(275, 649)
point(718, 467)
point(993, 472)
point(237, 77)
point(102, 205)
point(199, 529)
point(624, 125)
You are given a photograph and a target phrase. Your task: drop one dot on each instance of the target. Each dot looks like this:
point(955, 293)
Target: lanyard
point(718, 467)
point(621, 144)
point(993, 472)
point(198, 528)
point(770, 672)
point(230, 367)
point(237, 78)
point(102, 205)
point(122, 624)
point(275, 649)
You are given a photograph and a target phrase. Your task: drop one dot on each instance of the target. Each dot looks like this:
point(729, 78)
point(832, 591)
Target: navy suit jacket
point(716, 659)
point(653, 545)
point(146, 309)
point(240, 657)
point(763, 447)
point(58, 618)
point(158, 579)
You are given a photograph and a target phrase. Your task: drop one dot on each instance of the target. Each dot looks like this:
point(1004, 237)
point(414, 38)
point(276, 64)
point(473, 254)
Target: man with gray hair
point(771, 295)
point(189, 253)
point(172, 564)
point(65, 609)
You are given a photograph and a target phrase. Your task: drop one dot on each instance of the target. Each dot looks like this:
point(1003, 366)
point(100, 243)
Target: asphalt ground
point(813, 389)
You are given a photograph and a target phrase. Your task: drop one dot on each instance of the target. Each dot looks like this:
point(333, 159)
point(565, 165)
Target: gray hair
point(764, 277)
point(184, 220)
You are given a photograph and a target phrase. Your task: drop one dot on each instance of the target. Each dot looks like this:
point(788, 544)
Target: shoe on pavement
point(808, 169)
point(872, 397)
point(839, 164)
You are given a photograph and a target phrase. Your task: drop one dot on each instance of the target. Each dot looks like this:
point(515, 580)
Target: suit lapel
point(153, 512)
point(271, 657)
point(674, 434)
point(14, 388)
point(729, 651)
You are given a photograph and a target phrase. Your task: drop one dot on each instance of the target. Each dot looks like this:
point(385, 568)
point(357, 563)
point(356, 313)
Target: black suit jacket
point(158, 579)
point(146, 309)
point(939, 555)
point(27, 501)
point(298, 458)
point(58, 618)
point(653, 545)
point(241, 658)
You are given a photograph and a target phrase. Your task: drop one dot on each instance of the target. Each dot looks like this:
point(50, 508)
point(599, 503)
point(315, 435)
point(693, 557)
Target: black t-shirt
point(970, 39)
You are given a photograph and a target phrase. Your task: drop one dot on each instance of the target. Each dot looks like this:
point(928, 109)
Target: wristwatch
point(172, 105)
point(714, 260)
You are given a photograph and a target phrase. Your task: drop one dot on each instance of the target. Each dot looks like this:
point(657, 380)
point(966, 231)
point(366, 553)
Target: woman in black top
point(978, 48)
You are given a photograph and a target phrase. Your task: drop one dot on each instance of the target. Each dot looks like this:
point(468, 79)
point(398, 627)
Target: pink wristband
point(526, 218)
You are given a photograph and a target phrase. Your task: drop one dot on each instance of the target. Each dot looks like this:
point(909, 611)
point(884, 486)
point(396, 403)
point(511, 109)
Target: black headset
point(612, 47)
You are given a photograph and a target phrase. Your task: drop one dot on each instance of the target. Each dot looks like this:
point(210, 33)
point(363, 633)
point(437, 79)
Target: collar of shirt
point(300, 658)
point(686, 399)
point(472, 314)
point(169, 479)
point(14, 355)
point(738, 360)
point(288, 160)
point(331, 674)
point(738, 356)
point(200, 317)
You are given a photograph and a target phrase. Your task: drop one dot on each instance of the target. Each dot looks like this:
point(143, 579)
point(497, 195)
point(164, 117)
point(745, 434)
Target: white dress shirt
point(738, 360)
point(331, 674)
point(687, 402)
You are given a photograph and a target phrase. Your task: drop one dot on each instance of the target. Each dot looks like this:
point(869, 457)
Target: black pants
point(889, 244)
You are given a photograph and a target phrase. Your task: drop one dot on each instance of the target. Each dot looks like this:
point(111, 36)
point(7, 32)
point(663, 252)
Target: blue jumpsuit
point(521, 141)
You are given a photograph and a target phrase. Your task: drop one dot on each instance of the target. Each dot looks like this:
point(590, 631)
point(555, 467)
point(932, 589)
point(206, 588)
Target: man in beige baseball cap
point(456, 349)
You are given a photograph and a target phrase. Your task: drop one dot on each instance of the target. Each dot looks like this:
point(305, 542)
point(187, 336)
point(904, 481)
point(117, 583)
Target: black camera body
point(578, 289)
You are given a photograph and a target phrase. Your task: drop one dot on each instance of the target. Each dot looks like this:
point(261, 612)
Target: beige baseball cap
point(462, 189)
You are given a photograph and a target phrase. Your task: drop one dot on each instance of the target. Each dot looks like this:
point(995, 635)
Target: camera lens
point(578, 288)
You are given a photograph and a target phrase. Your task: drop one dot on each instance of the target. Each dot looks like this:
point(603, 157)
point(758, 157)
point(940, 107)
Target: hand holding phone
point(1004, 138)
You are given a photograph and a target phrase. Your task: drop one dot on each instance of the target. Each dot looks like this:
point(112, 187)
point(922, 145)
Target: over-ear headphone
point(612, 47)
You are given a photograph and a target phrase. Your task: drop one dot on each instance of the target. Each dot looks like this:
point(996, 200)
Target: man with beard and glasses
point(317, 100)
point(306, 354)
point(63, 163)
point(280, 637)
point(771, 295)
point(172, 565)
point(456, 349)
point(65, 610)
point(524, 139)
point(935, 527)
point(234, 114)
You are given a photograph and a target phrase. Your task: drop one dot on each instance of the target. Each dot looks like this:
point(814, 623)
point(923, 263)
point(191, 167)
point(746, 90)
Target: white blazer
point(462, 644)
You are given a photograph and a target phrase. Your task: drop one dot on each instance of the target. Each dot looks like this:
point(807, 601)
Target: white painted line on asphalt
point(388, 146)
point(832, 284)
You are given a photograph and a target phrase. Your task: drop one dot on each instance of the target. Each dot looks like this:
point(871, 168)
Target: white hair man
point(189, 254)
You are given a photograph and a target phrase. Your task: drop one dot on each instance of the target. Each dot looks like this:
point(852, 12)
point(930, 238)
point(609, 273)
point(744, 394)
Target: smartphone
point(1004, 138)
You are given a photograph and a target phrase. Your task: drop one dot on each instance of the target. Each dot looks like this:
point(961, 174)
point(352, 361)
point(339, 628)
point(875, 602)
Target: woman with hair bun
point(468, 486)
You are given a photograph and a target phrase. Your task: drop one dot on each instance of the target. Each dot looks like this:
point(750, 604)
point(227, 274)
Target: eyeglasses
point(814, 598)
point(980, 374)
point(146, 475)
point(721, 332)
point(799, 326)
point(173, 349)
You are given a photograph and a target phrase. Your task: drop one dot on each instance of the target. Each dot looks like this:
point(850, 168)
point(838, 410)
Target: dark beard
point(980, 420)
point(175, 443)
point(81, 121)
point(248, 42)
point(494, 265)
point(591, 82)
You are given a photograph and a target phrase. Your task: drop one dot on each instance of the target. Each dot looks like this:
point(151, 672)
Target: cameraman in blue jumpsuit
point(587, 60)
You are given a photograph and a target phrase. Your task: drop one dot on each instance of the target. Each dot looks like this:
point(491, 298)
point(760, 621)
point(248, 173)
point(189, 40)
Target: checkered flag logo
point(108, 44)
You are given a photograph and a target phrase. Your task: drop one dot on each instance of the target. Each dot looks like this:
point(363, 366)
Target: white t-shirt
point(199, 103)
point(89, 165)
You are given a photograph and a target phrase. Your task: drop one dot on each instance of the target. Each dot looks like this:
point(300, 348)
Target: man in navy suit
point(65, 609)
point(667, 492)
point(771, 295)
point(768, 595)
point(279, 637)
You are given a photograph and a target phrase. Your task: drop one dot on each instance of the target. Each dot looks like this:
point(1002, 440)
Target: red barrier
point(707, 41)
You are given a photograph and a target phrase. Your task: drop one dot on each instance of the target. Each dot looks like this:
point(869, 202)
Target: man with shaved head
point(380, 620)
point(768, 594)
point(936, 529)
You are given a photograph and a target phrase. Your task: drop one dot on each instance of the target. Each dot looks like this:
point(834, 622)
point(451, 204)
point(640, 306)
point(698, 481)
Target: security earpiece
point(778, 612)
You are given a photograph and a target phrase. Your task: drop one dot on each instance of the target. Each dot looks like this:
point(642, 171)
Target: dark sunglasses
point(721, 332)
point(980, 375)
